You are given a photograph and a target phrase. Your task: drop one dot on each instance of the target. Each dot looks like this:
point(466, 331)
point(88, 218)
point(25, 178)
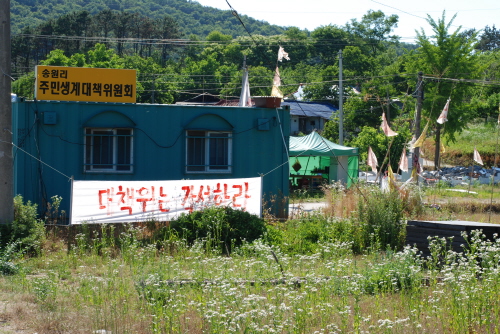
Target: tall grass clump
point(381, 214)
point(365, 217)
point(219, 228)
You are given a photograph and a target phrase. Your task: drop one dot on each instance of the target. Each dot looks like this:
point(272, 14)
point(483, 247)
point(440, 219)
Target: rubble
point(461, 175)
point(453, 176)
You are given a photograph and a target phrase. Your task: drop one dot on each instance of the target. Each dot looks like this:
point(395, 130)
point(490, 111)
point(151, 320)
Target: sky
point(310, 14)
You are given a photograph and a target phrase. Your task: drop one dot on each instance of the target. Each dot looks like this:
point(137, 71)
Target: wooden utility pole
point(6, 161)
point(418, 116)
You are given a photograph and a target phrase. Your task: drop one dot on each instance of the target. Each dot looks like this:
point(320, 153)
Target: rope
point(69, 178)
point(282, 135)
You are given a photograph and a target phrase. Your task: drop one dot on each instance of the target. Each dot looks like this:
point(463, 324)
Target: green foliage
point(379, 143)
point(7, 255)
point(376, 224)
point(373, 30)
point(220, 228)
point(328, 40)
point(217, 36)
point(24, 86)
point(445, 54)
point(394, 272)
point(193, 18)
point(310, 233)
point(27, 229)
point(381, 215)
point(490, 39)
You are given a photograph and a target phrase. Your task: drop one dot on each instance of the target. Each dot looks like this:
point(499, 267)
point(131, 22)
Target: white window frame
point(90, 166)
point(207, 167)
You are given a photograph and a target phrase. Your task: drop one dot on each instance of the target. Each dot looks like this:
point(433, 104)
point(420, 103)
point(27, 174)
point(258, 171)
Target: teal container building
point(55, 142)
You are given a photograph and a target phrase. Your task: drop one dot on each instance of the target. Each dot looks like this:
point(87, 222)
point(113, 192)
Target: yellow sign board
point(58, 83)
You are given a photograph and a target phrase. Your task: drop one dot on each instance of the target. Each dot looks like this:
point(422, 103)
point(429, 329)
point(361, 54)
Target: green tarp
point(314, 153)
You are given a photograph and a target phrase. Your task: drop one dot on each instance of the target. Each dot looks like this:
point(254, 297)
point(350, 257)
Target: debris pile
point(459, 174)
point(453, 176)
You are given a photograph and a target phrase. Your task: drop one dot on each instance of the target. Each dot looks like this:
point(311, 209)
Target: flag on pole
point(416, 167)
point(282, 54)
point(372, 160)
point(391, 180)
point(276, 91)
point(442, 148)
point(444, 114)
point(245, 99)
point(477, 157)
point(385, 127)
point(420, 141)
point(403, 162)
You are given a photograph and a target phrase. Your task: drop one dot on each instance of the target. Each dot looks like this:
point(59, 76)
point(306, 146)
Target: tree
point(217, 36)
point(486, 98)
point(374, 30)
point(328, 40)
point(297, 44)
point(166, 28)
point(102, 57)
point(443, 55)
point(380, 143)
point(490, 39)
point(121, 27)
point(103, 23)
point(74, 24)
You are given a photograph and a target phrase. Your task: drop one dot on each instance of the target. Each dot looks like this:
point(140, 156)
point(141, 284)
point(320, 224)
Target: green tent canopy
point(319, 156)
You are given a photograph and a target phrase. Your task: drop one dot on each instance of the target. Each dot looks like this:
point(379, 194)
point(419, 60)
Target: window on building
point(108, 150)
point(208, 151)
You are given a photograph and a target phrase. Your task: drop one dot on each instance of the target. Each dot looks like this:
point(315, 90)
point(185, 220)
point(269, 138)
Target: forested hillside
point(192, 17)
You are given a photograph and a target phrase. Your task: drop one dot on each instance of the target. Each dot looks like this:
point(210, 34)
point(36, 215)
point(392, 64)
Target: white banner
point(136, 201)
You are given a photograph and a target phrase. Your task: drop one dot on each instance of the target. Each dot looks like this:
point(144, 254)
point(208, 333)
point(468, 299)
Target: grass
point(481, 135)
point(328, 291)
point(333, 271)
point(480, 204)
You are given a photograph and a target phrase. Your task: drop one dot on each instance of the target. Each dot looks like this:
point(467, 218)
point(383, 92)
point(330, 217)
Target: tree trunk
point(437, 151)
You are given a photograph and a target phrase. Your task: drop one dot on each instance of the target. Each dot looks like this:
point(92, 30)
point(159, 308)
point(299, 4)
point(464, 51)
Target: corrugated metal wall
point(50, 137)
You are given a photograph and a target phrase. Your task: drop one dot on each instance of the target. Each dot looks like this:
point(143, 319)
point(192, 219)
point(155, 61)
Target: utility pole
point(6, 161)
point(418, 116)
point(341, 102)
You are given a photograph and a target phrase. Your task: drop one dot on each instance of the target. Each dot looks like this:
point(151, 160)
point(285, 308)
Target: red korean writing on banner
point(145, 200)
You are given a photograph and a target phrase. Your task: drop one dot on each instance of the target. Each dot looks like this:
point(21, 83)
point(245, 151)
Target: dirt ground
point(13, 316)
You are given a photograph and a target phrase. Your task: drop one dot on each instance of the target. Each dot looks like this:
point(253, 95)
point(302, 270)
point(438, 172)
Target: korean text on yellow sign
point(85, 84)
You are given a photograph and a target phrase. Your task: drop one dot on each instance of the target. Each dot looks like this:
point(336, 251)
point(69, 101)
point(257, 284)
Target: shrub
point(27, 229)
point(7, 255)
point(221, 228)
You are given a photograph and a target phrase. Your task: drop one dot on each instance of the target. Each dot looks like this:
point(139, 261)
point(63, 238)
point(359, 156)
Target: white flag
point(245, 99)
point(372, 160)
point(403, 162)
point(385, 127)
point(282, 54)
point(477, 157)
point(420, 141)
point(444, 114)
point(276, 91)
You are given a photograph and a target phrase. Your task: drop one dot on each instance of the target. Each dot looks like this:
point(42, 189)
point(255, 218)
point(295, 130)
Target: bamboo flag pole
point(383, 161)
point(470, 175)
